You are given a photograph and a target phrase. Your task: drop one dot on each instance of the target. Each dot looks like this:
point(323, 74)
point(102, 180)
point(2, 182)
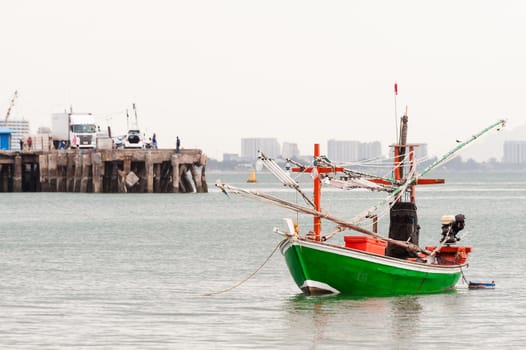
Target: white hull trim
point(370, 257)
point(315, 287)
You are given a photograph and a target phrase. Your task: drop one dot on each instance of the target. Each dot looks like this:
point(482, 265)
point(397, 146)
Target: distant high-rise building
point(514, 152)
point(371, 150)
point(250, 147)
point(290, 150)
point(420, 150)
point(353, 151)
point(19, 131)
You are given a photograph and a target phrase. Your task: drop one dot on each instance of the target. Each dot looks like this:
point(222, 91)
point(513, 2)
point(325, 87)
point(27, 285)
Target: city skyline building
point(514, 152)
point(353, 151)
point(250, 147)
point(420, 150)
point(338, 150)
point(290, 150)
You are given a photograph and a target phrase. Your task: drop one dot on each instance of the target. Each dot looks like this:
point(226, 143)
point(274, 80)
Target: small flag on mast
point(396, 89)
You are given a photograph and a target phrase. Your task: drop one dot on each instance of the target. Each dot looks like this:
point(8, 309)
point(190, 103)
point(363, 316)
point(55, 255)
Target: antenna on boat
point(395, 111)
point(402, 142)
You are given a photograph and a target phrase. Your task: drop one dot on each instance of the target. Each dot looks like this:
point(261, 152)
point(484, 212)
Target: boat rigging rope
point(246, 278)
point(283, 176)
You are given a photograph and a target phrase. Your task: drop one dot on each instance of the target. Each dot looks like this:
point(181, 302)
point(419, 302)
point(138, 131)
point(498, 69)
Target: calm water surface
point(131, 271)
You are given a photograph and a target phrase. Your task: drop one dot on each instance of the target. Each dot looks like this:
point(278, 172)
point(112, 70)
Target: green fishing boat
point(367, 263)
point(319, 268)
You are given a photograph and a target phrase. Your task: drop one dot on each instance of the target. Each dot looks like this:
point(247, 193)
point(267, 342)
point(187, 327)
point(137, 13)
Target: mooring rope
point(246, 278)
point(464, 279)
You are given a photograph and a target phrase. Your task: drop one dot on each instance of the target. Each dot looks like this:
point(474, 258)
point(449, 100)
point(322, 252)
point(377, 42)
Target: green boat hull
point(320, 268)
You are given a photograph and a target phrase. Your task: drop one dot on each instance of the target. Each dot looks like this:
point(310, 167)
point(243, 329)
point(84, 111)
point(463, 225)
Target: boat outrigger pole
point(446, 157)
point(319, 167)
point(317, 215)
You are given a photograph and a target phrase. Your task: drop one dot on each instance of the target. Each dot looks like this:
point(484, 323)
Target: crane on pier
point(11, 104)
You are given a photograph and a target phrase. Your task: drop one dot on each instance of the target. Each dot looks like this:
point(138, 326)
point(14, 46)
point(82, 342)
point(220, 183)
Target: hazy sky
point(213, 72)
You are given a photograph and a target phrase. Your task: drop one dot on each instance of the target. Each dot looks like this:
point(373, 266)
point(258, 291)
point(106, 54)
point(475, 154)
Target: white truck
point(77, 130)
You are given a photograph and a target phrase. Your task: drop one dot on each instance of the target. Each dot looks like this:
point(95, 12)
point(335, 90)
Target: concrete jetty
point(104, 171)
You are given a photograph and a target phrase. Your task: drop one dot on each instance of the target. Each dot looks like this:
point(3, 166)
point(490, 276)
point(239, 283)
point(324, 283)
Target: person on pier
point(154, 141)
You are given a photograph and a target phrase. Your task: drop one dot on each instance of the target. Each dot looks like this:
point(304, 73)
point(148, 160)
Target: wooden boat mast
point(317, 193)
point(399, 152)
point(399, 155)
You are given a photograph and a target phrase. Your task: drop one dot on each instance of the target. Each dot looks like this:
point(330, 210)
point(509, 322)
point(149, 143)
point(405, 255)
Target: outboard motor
point(451, 225)
point(403, 227)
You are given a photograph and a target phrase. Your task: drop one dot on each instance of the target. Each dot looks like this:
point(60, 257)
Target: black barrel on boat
point(403, 226)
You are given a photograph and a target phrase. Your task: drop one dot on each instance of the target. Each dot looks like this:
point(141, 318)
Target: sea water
point(178, 271)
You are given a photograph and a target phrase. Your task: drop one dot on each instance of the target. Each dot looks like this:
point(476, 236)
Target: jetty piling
point(103, 171)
